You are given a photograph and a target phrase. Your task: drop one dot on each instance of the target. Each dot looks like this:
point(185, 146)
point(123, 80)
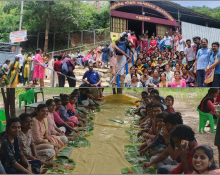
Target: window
point(118, 25)
point(161, 30)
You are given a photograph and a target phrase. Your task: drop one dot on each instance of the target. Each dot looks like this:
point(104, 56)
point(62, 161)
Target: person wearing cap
point(21, 57)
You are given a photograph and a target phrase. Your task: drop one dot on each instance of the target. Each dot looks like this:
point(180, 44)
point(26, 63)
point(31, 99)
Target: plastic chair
point(27, 97)
point(203, 118)
point(2, 120)
point(37, 92)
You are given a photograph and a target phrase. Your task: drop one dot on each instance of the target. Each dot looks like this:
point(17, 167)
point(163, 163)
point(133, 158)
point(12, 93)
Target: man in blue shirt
point(202, 61)
point(214, 63)
point(92, 76)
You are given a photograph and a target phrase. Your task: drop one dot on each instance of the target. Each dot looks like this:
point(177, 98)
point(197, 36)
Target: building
point(161, 16)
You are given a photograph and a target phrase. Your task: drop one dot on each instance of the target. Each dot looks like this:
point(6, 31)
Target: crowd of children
point(32, 140)
point(171, 145)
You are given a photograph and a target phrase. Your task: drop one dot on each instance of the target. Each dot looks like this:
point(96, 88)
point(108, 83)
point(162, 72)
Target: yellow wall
point(116, 34)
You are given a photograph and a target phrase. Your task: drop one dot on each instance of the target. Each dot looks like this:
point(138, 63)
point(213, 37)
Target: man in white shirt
point(21, 59)
point(168, 41)
point(189, 54)
point(181, 44)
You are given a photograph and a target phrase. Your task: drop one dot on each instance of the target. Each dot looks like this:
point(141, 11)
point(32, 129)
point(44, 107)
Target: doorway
point(151, 27)
point(136, 26)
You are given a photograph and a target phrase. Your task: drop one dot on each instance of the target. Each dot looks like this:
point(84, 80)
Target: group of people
point(168, 61)
point(171, 145)
point(32, 140)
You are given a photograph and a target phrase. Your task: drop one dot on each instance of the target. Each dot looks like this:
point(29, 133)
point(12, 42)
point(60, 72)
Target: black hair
point(159, 105)
point(133, 74)
point(146, 70)
point(132, 34)
point(149, 106)
point(23, 50)
point(40, 106)
point(107, 45)
point(188, 40)
point(56, 100)
point(38, 50)
point(185, 68)
point(157, 97)
point(7, 61)
point(210, 91)
point(23, 117)
point(171, 97)
point(10, 121)
point(215, 43)
point(174, 118)
point(205, 39)
point(72, 96)
point(155, 91)
point(48, 102)
point(138, 59)
point(13, 64)
point(196, 37)
point(161, 74)
point(122, 38)
point(209, 153)
point(161, 115)
point(63, 96)
point(160, 59)
point(176, 72)
point(183, 132)
point(144, 92)
point(132, 67)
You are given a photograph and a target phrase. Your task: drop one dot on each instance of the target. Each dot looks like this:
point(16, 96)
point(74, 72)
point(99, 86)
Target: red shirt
point(58, 66)
point(134, 39)
point(217, 98)
point(209, 106)
point(179, 168)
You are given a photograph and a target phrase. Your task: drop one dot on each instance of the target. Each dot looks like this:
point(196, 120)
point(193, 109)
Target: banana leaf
point(136, 140)
point(97, 110)
point(138, 170)
point(116, 120)
point(132, 148)
point(129, 132)
point(79, 142)
point(83, 134)
point(131, 158)
point(65, 152)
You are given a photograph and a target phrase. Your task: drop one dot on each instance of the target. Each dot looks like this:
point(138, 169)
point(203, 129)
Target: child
point(157, 100)
point(203, 161)
point(149, 112)
point(169, 100)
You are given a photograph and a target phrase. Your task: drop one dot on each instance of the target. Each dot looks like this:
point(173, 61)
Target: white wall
point(190, 30)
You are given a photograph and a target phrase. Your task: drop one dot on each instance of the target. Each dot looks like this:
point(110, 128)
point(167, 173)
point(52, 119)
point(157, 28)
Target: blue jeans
point(200, 77)
point(162, 171)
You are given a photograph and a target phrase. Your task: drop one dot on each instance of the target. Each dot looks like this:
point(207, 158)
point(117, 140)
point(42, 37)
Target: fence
point(7, 52)
point(60, 41)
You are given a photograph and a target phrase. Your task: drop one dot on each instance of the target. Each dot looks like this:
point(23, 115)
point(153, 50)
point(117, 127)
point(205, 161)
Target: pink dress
point(182, 84)
point(38, 70)
point(153, 45)
point(73, 118)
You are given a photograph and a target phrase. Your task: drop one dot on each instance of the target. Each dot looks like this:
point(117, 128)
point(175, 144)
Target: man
point(21, 59)
point(202, 61)
point(123, 33)
point(92, 76)
point(71, 67)
point(129, 33)
point(189, 54)
point(168, 41)
point(167, 159)
point(153, 81)
point(214, 63)
point(181, 44)
point(134, 42)
point(58, 67)
point(197, 44)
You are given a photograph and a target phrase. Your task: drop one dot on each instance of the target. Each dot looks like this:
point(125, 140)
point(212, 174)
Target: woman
point(99, 56)
point(14, 67)
point(128, 76)
point(178, 82)
point(153, 81)
point(170, 65)
point(40, 129)
point(189, 79)
point(27, 62)
point(177, 68)
point(86, 59)
point(39, 69)
point(169, 74)
point(45, 61)
point(139, 67)
point(144, 43)
point(12, 157)
point(169, 101)
point(163, 82)
point(145, 77)
point(26, 142)
point(52, 128)
point(5, 66)
point(105, 52)
point(203, 161)
point(134, 81)
point(152, 45)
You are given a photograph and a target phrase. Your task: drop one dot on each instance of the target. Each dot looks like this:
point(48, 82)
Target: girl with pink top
point(39, 70)
point(178, 82)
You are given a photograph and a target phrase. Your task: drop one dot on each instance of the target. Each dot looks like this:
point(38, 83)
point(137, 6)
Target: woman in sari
point(27, 62)
point(13, 72)
point(99, 56)
point(40, 129)
point(152, 45)
point(144, 43)
point(11, 156)
point(163, 82)
point(189, 79)
point(39, 69)
point(86, 59)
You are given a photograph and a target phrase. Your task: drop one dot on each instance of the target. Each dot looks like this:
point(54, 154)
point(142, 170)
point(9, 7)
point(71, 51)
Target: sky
point(211, 4)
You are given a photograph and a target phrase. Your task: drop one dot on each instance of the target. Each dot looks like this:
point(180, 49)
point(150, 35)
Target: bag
point(111, 52)
point(210, 76)
point(121, 45)
point(64, 69)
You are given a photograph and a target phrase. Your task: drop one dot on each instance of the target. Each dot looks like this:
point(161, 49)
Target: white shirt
point(169, 76)
point(129, 34)
point(180, 45)
point(21, 58)
point(168, 41)
point(189, 52)
point(128, 78)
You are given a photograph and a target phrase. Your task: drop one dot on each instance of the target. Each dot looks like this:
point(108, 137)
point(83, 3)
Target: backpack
point(111, 52)
point(121, 45)
point(64, 69)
